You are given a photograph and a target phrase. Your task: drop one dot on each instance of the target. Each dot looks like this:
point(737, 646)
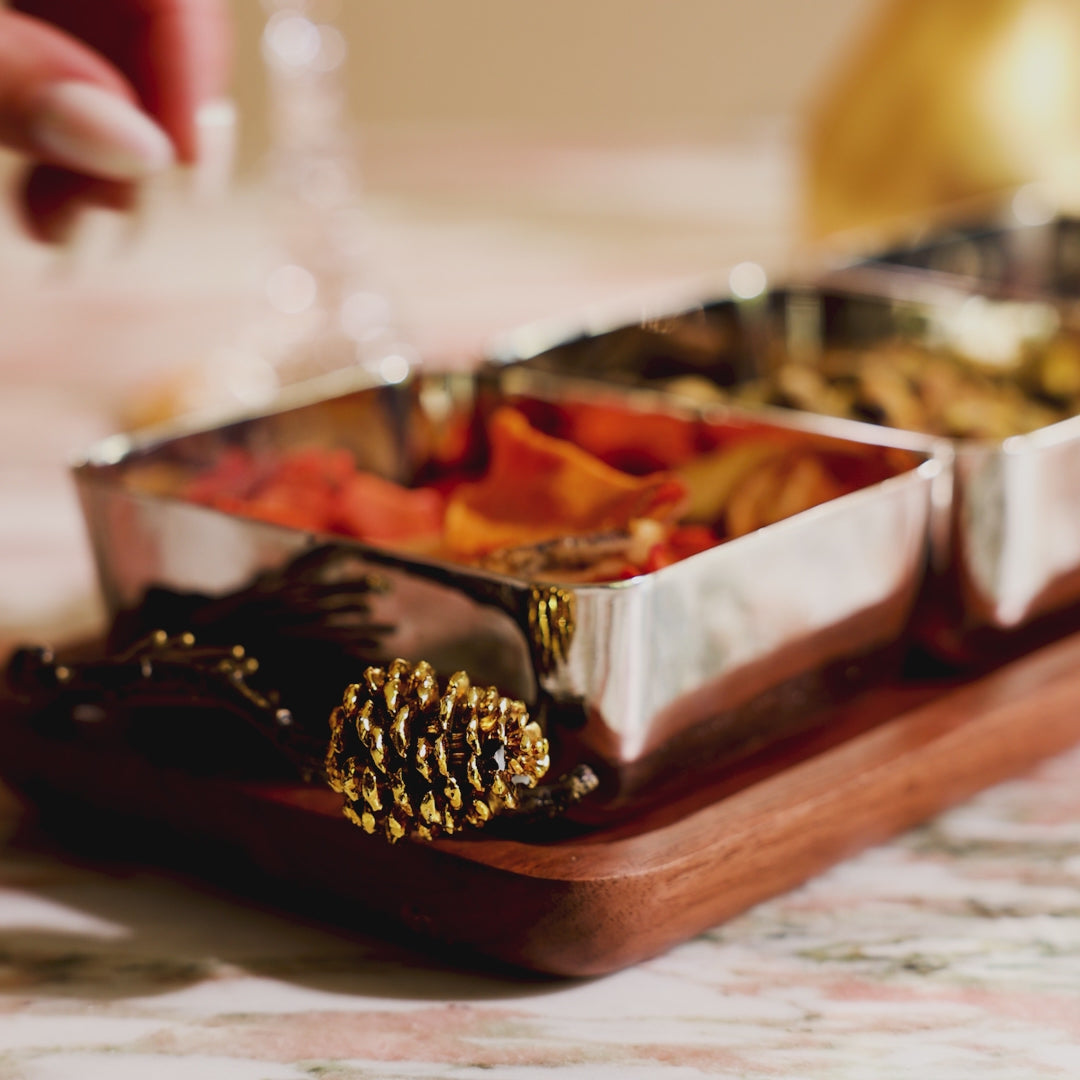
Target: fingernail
point(215, 126)
point(91, 130)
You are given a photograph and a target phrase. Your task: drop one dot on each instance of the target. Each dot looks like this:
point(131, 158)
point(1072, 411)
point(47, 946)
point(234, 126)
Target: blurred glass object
point(323, 311)
point(319, 308)
point(948, 102)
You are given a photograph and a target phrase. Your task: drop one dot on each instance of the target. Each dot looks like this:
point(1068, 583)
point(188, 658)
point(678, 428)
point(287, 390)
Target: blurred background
point(579, 117)
point(696, 71)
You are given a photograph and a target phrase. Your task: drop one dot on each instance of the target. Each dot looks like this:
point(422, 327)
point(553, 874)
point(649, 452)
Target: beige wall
point(685, 69)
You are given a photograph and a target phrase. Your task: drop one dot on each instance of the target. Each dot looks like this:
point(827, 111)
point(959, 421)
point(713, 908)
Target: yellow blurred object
point(947, 102)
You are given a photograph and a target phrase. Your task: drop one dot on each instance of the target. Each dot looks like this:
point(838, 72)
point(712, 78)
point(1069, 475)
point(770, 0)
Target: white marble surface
point(952, 953)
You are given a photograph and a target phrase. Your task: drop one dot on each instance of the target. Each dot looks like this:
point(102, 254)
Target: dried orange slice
point(538, 488)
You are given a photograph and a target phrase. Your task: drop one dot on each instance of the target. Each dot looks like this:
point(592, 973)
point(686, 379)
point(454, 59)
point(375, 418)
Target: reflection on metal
point(552, 621)
point(413, 759)
point(160, 670)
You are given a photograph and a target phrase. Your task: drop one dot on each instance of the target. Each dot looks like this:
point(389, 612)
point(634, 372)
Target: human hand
point(100, 94)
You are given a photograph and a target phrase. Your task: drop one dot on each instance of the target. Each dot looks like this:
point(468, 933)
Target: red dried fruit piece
point(315, 466)
point(293, 505)
point(301, 489)
point(687, 540)
point(632, 442)
point(378, 510)
point(232, 477)
point(680, 543)
point(318, 490)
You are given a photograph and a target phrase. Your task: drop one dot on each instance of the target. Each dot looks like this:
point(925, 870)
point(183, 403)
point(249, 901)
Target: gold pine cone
point(413, 760)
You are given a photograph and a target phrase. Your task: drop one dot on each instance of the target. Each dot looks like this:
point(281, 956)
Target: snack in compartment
point(916, 387)
point(552, 504)
point(538, 488)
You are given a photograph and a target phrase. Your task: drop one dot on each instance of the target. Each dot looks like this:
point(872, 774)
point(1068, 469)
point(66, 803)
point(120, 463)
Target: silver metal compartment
point(997, 255)
point(1006, 526)
point(698, 662)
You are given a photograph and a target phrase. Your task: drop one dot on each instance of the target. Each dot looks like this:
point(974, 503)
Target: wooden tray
point(593, 903)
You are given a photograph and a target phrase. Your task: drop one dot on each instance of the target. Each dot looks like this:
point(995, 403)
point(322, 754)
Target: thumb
point(63, 104)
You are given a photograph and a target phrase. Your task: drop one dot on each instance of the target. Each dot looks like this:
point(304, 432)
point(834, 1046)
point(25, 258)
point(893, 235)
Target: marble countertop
point(952, 952)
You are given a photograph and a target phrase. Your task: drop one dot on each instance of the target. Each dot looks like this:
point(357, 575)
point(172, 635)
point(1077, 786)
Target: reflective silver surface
point(1006, 520)
point(1016, 526)
point(1021, 250)
point(639, 663)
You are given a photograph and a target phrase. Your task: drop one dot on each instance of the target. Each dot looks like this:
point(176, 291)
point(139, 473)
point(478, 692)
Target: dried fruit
point(539, 488)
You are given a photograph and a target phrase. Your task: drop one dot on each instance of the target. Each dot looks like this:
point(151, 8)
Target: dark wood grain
point(613, 896)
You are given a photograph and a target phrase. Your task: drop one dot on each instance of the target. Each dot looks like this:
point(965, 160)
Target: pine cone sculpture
point(412, 760)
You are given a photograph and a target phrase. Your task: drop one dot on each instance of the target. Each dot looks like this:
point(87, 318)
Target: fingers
point(174, 52)
point(183, 64)
point(52, 198)
point(66, 106)
point(82, 84)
